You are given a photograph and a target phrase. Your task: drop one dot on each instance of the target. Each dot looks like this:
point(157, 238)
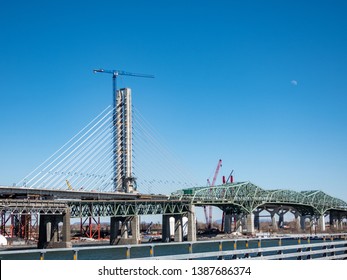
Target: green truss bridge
point(245, 199)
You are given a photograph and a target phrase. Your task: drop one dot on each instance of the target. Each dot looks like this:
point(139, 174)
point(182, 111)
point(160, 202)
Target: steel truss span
point(99, 208)
point(247, 197)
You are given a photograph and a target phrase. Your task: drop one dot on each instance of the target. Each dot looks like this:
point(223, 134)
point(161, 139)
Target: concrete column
point(48, 234)
point(298, 221)
point(227, 222)
point(66, 231)
point(178, 228)
point(341, 224)
point(303, 223)
point(124, 229)
point(280, 220)
point(165, 231)
point(238, 223)
point(135, 229)
point(250, 223)
point(321, 223)
point(257, 220)
point(114, 229)
point(191, 224)
point(273, 222)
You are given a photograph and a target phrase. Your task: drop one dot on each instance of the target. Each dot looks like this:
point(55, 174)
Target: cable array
point(157, 169)
point(86, 161)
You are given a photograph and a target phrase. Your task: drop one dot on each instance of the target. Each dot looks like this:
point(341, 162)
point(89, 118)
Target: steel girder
point(249, 197)
point(23, 207)
point(126, 208)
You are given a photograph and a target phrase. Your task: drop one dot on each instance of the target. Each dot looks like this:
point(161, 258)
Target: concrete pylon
point(297, 221)
point(191, 224)
point(321, 223)
point(178, 228)
point(165, 231)
point(257, 219)
point(250, 223)
point(281, 214)
point(227, 222)
point(274, 222)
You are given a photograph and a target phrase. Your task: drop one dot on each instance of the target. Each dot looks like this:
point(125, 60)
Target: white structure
point(3, 240)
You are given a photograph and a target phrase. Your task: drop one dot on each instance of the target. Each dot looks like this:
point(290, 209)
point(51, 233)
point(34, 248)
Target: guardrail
point(329, 246)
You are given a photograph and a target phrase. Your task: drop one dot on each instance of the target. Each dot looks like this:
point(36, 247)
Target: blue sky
point(259, 84)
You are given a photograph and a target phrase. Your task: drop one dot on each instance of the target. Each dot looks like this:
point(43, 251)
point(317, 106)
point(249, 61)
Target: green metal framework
point(126, 208)
point(247, 197)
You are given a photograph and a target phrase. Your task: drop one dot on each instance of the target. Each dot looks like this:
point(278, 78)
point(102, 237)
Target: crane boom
point(122, 73)
point(209, 216)
point(216, 172)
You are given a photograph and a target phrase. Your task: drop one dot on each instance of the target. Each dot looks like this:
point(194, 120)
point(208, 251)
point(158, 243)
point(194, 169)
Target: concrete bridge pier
point(49, 231)
point(257, 219)
point(341, 224)
point(238, 223)
point(281, 214)
point(321, 223)
point(178, 229)
point(333, 217)
point(250, 223)
point(272, 213)
point(165, 231)
point(297, 217)
point(191, 224)
point(121, 225)
point(228, 222)
point(274, 222)
point(303, 222)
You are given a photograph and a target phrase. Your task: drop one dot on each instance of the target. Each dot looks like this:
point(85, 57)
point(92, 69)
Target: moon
point(294, 82)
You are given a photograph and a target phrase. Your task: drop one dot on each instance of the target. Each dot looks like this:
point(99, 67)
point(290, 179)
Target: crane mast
point(209, 216)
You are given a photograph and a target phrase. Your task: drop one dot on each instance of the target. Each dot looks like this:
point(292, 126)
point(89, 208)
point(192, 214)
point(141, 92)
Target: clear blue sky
point(259, 84)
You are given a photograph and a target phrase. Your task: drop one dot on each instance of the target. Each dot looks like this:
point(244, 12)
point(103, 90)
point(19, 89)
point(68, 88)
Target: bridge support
point(250, 223)
point(165, 231)
point(227, 222)
point(298, 219)
point(49, 231)
point(191, 224)
point(321, 223)
point(273, 222)
point(257, 219)
point(178, 228)
point(281, 214)
point(119, 230)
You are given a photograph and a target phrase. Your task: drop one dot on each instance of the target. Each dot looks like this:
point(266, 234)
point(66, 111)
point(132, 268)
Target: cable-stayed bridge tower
point(123, 181)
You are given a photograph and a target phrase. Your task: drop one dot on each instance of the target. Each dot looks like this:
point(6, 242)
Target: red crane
point(209, 216)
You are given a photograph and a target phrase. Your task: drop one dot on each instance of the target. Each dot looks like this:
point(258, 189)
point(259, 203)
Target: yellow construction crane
point(68, 185)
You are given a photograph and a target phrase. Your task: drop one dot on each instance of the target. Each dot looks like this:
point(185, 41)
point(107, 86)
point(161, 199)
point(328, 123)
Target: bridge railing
point(332, 246)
